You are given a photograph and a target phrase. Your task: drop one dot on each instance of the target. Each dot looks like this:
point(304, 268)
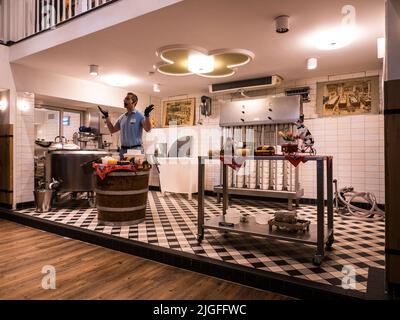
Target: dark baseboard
point(306, 201)
point(6, 206)
point(394, 290)
point(154, 188)
point(281, 284)
point(376, 284)
point(25, 205)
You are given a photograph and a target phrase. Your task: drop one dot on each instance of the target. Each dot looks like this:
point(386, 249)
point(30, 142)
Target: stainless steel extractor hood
point(269, 110)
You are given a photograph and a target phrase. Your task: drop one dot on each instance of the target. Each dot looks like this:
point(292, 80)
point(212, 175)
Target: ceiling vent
point(246, 85)
point(304, 92)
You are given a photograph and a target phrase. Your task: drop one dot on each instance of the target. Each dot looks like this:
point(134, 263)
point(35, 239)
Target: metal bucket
point(43, 200)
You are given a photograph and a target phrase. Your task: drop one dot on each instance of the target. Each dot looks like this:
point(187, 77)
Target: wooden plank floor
point(85, 271)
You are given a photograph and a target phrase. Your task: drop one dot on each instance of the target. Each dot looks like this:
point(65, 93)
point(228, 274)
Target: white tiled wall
point(357, 146)
point(24, 148)
point(355, 142)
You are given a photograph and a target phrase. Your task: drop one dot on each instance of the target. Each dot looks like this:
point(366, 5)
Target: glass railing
point(20, 19)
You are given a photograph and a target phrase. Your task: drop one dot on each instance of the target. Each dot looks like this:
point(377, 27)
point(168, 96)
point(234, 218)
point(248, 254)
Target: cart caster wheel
point(328, 247)
point(330, 243)
point(317, 260)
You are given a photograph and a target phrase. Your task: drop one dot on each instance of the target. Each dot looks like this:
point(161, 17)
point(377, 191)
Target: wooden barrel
point(121, 198)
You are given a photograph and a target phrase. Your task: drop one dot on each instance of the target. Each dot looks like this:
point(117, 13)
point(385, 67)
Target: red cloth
point(234, 163)
point(295, 159)
point(102, 170)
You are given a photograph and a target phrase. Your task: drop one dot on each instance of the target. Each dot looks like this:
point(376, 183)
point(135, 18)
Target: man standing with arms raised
point(131, 124)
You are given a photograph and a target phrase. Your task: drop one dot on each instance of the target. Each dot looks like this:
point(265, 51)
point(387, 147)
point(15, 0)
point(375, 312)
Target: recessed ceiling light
point(94, 70)
point(156, 87)
point(335, 38)
point(117, 80)
point(381, 43)
point(312, 63)
point(184, 60)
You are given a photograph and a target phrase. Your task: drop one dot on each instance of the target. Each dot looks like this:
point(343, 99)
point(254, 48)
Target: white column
point(80, 6)
point(24, 145)
point(59, 11)
point(64, 10)
point(70, 9)
point(13, 20)
point(29, 17)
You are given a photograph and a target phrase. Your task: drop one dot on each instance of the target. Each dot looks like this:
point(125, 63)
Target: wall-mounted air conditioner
point(246, 85)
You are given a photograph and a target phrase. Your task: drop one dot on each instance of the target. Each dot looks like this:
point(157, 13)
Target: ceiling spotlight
point(282, 24)
point(312, 63)
point(156, 87)
point(381, 43)
point(94, 70)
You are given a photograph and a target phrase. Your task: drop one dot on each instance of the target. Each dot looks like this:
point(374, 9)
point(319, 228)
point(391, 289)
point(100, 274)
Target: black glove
point(104, 112)
point(148, 110)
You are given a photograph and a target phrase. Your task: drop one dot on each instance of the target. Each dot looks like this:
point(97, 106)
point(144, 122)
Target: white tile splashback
point(24, 150)
point(355, 142)
point(356, 159)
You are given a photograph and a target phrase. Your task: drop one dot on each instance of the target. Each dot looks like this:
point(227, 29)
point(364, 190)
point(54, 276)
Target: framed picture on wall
point(179, 112)
point(348, 97)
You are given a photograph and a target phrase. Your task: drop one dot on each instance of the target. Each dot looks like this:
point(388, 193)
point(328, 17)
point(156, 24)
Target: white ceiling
point(55, 102)
point(130, 47)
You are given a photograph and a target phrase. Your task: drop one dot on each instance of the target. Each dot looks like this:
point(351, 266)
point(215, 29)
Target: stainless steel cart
point(320, 234)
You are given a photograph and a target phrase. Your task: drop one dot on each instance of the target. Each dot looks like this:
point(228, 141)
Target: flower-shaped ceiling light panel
point(183, 60)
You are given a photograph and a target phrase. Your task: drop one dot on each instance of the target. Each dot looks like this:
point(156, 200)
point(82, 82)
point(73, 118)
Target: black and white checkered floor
point(171, 222)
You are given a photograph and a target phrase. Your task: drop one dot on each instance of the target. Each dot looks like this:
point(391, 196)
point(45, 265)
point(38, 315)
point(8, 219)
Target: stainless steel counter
point(319, 234)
